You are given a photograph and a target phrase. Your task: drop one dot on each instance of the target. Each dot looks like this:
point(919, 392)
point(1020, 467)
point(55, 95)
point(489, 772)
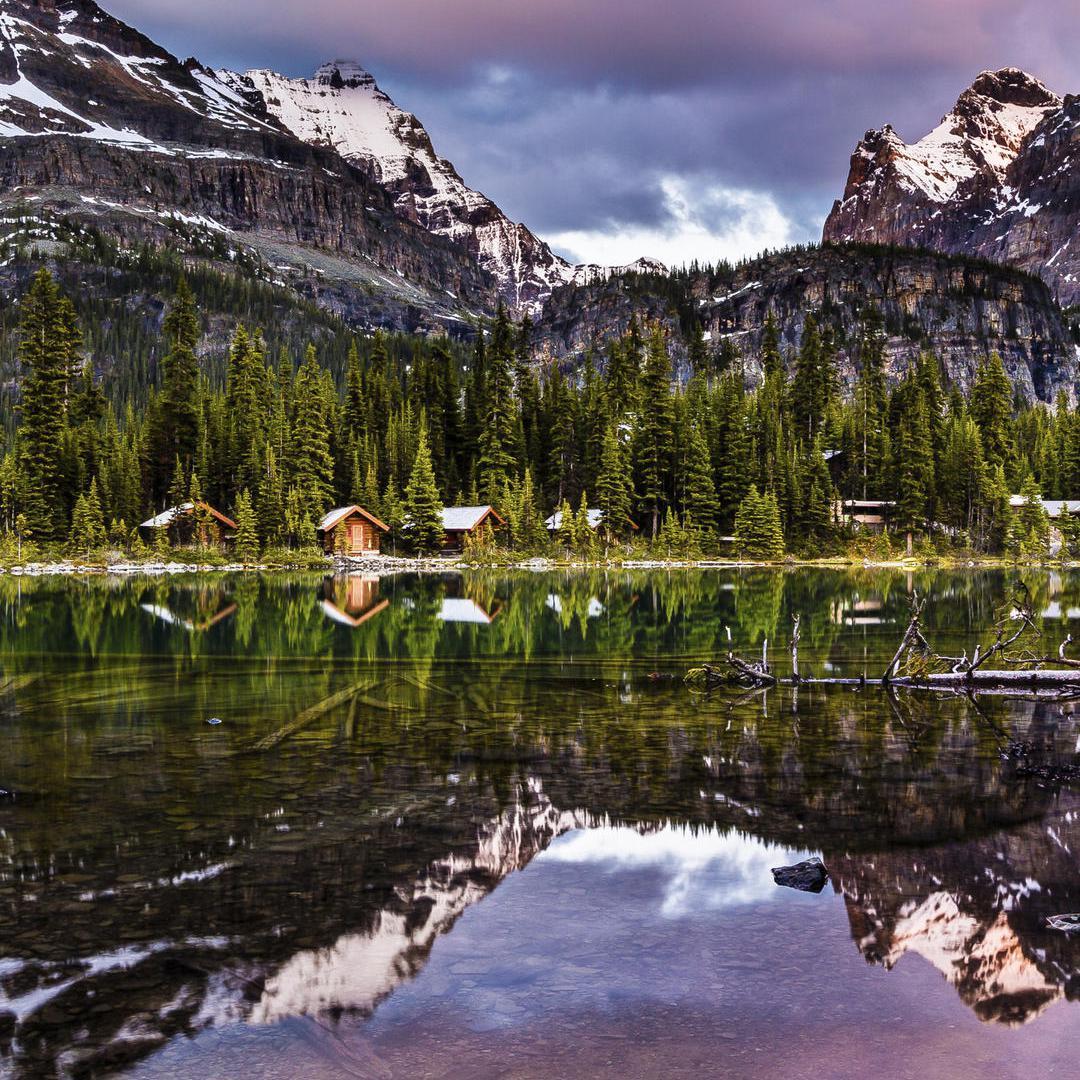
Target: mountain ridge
point(997, 179)
point(342, 106)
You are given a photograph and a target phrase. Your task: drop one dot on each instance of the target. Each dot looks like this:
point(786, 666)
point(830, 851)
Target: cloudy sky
point(616, 128)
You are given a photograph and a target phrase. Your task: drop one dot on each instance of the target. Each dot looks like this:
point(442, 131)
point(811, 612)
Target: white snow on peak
point(985, 962)
point(29, 110)
point(981, 133)
point(342, 107)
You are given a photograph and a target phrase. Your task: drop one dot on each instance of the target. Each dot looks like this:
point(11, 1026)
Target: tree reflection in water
point(159, 875)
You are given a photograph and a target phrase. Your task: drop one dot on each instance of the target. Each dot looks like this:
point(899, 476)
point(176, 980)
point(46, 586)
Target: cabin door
point(357, 538)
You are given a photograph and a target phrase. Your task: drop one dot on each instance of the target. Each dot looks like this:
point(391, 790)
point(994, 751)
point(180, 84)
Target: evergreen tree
point(566, 533)
point(499, 416)
point(312, 472)
point(991, 409)
point(47, 355)
point(87, 524)
point(423, 507)
point(772, 363)
point(758, 534)
point(814, 383)
point(247, 536)
point(614, 485)
point(699, 492)
point(1030, 534)
point(174, 426)
point(653, 435)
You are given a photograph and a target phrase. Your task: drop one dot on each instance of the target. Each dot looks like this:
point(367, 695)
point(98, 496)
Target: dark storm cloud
point(577, 115)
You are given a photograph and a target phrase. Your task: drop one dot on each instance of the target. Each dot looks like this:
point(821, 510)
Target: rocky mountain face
point(963, 309)
point(998, 178)
point(342, 107)
point(97, 122)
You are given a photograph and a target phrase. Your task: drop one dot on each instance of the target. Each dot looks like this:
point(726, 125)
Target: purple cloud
point(576, 116)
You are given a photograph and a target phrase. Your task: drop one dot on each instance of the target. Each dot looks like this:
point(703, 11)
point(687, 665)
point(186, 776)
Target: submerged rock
point(808, 876)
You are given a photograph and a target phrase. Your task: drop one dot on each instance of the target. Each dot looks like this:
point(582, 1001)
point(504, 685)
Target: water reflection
point(374, 780)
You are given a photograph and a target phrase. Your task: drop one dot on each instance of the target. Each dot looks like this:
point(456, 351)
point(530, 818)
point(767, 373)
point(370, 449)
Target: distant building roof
point(167, 517)
point(1053, 507)
point(335, 517)
point(466, 518)
point(596, 519)
point(554, 523)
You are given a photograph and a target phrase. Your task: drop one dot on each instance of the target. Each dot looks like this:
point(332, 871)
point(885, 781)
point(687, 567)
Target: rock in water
point(808, 876)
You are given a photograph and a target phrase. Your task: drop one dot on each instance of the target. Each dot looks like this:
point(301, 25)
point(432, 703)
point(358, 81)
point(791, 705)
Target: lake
point(477, 826)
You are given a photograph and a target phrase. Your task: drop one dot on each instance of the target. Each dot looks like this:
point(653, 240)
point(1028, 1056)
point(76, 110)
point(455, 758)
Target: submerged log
point(1026, 673)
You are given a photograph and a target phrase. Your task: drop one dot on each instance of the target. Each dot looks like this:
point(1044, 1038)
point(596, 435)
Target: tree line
point(759, 463)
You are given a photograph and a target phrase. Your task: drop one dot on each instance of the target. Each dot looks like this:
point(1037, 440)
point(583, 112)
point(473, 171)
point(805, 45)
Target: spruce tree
point(247, 536)
point(772, 363)
point(1031, 523)
point(174, 426)
point(991, 409)
point(423, 507)
point(758, 534)
point(87, 523)
point(614, 485)
point(699, 492)
point(566, 533)
point(47, 355)
point(653, 434)
point(312, 472)
point(498, 419)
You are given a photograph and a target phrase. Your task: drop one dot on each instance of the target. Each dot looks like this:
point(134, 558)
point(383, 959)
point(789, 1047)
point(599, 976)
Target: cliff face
point(97, 121)
point(998, 178)
point(962, 309)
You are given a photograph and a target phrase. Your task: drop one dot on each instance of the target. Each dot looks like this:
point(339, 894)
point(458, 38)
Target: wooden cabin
point(190, 523)
point(867, 515)
point(462, 521)
point(351, 601)
point(351, 530)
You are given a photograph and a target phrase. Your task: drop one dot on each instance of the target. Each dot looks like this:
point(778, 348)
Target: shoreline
point(387, 566)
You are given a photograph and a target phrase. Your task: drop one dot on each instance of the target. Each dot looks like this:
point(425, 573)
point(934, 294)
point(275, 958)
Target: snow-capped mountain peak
point(341, 106)
point(981, 135)
point(997, 178)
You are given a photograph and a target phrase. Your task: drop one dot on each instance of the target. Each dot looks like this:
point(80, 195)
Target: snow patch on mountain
point(342, 107)
point(983, 133)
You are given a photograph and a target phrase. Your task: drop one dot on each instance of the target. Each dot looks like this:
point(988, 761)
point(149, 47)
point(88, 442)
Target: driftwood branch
point(914, 661)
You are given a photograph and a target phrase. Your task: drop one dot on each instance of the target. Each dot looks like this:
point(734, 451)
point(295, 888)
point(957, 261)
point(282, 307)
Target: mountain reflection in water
point(162, 879)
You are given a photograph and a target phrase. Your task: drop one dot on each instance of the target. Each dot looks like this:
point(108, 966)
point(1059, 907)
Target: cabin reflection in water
point(353, 600)
point(210, 611)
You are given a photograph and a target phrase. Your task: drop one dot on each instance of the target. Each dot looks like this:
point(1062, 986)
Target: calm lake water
point(477, 827)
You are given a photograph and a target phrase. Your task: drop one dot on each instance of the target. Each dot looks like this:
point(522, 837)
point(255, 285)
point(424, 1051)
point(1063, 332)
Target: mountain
point(99, 124)
point(961, 308)
point(342, 107)
point(996, 179)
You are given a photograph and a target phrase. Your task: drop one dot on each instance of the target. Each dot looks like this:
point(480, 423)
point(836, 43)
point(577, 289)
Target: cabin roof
point(167, 517)
point(466, 518)
point(1053, 507)
point(336, 517)
point(596, 519)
